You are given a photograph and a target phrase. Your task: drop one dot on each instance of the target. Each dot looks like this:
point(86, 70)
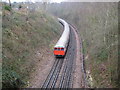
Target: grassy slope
point(20, 40)
point(0, 47)
point(98, 27)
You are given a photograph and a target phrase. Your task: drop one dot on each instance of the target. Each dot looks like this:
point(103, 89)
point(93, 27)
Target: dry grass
point(22, 35)
point(98, 27)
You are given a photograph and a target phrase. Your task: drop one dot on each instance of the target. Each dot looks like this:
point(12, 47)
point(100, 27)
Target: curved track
point(61, 74)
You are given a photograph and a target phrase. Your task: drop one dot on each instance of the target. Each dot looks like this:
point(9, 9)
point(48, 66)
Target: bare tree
point(9, 3)
point(28, 7)
point(45, 2)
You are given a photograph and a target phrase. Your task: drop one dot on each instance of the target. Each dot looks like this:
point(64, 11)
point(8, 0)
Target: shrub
point(7, 7)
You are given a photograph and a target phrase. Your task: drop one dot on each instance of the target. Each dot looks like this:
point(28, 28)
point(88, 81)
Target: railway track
point(66, 77)
point(52, 77)
point(61, 72)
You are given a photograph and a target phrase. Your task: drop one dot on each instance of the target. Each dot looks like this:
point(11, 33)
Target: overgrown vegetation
point(7, 7)
point(98, 26)
point(22, 35)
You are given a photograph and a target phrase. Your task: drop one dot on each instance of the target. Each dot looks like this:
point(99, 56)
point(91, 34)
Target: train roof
point(65, 35)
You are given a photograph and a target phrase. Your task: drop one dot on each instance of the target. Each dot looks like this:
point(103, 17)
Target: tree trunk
point(10, 3)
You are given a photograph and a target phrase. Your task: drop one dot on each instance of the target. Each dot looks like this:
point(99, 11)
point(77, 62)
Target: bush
point(11, 79)
point(7, 7)
point(20, 6)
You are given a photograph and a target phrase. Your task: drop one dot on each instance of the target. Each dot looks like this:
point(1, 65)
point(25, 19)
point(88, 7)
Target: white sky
point(58, 1)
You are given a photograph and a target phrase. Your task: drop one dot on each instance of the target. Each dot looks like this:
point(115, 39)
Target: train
point(61, 46)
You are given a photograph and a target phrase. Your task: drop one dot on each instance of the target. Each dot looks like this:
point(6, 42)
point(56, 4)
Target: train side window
point(62, 48)
point(58, 48)
point(55, 48)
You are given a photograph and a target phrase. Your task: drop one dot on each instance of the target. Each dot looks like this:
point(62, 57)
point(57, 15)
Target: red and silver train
point(61, 46)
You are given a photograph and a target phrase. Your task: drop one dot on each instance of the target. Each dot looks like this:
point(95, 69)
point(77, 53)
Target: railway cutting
point(62, 73)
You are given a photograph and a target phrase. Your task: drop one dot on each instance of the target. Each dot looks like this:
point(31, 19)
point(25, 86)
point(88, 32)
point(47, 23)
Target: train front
point(59, 51)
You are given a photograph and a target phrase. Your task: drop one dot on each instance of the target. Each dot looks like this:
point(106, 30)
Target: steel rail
point(68, 67)
point(85, 82)
point(66, 77)
point(57, 74)
point(47, 81)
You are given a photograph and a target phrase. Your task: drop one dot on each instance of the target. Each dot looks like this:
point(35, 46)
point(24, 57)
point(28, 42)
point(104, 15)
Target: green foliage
point(11, 79)
point(102, 55)
point(7, 7)
point(21, 39)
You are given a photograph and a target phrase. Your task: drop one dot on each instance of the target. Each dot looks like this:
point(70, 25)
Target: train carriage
point(61, 47)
